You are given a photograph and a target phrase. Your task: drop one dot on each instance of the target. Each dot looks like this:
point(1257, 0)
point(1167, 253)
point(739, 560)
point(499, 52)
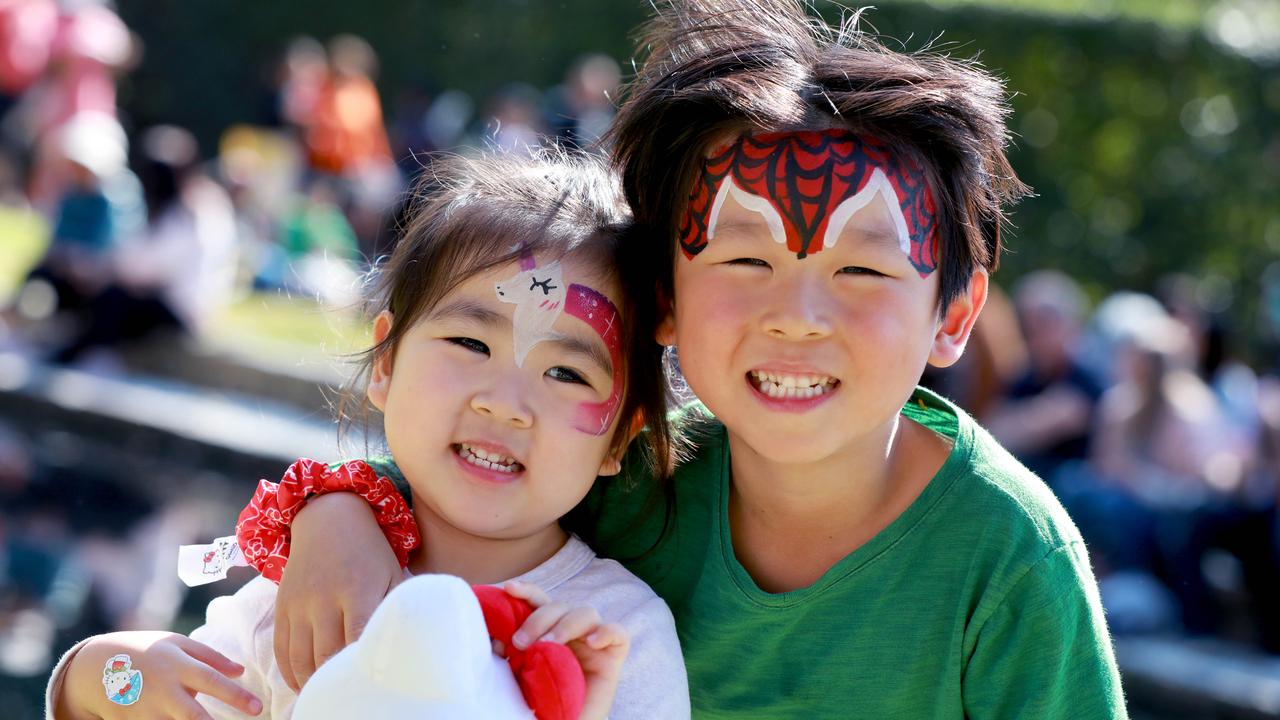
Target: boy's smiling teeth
point(785, 386)
point(488, 460)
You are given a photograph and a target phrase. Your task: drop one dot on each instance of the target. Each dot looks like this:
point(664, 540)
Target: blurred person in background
point(1163, 445)
point(65, 57)
point(1047, 414)
point(174, 275)
point(515, 119)
point(345, 137)
point(101, 204)
point(582, 107)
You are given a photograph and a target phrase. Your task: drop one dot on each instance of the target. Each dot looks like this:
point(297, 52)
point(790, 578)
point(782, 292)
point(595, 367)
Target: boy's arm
point(1045, 651)
point(340, 567)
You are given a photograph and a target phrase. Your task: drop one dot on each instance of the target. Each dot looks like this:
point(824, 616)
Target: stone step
point(305, 380)
point(1171, 677)
point(169, 421)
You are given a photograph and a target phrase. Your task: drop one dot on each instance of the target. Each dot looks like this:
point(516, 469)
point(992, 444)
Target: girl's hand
point(340, 567)
point(174, 668)
point(600, 647)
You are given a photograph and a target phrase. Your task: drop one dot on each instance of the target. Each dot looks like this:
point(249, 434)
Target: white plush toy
point(427, 653)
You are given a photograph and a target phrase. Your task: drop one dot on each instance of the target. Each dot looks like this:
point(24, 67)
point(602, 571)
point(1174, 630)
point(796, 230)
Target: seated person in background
point(1047, 414)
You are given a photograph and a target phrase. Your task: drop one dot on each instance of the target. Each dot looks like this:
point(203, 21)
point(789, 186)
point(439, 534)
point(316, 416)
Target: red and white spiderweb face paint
point(807, 185)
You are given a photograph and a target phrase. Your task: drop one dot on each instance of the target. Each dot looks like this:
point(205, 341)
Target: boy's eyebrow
point(593, 351)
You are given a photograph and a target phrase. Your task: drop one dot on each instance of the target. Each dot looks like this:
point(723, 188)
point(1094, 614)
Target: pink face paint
point(596, 310)
point(807, 185)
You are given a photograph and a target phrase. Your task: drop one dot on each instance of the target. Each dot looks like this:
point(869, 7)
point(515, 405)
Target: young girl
point(508, 373)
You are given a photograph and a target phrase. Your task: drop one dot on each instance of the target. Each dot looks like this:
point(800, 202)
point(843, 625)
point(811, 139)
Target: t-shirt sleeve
point(241, 627)
point(1045, 652)
point(653, 682)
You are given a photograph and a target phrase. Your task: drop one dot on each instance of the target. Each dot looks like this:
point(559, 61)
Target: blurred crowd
point(149, 236)
point(1163, 446)
point(150, 233)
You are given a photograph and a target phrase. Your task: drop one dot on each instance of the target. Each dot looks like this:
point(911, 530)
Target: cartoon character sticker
point(122, 683)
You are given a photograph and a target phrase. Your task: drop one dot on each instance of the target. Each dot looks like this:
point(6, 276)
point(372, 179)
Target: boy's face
point(806, 298)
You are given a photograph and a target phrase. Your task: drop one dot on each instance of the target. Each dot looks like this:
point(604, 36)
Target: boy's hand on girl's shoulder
point(600, 647)
point(168, 668)
point(340, 568)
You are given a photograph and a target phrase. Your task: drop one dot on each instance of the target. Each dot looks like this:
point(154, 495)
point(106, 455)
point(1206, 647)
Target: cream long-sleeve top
point(653, 682)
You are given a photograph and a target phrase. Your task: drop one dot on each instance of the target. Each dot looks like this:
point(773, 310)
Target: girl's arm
point(600, 647)
point(340, 567)
point(160, 672)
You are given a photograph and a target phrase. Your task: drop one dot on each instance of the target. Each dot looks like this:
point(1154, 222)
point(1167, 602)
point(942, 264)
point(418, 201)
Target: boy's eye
point(471, 344)
point(750, 262)
point(567, 375)
point(859, 270)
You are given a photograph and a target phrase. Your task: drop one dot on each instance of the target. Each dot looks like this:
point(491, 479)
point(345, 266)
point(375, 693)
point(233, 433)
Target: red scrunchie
point(549, 675)
point(263, 527)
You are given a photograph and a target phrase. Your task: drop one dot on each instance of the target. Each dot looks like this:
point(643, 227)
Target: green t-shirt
point(978, 601)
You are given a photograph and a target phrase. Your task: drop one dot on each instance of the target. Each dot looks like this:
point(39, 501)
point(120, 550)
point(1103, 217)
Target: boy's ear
point(957, 321)
point(380, 375)
point(612, 464)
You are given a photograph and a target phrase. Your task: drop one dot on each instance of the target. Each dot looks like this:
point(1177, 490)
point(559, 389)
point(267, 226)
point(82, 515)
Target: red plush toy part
point(548, 673)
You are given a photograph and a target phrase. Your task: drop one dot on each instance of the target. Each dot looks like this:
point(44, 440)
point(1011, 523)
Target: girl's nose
point(504, 401)
point(798, 309)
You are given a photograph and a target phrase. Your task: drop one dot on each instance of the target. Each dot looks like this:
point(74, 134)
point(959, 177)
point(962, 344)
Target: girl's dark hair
point(718, 68)
point(468, 215)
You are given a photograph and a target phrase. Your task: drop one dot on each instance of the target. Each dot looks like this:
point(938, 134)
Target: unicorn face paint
point(538, 294)
point(806, 186)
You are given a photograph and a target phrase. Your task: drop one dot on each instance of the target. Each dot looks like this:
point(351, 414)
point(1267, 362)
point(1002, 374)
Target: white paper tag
point(202, 564)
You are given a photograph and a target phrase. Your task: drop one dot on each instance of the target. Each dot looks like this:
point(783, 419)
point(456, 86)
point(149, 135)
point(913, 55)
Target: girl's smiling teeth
point(786, 386)
point(487, 459)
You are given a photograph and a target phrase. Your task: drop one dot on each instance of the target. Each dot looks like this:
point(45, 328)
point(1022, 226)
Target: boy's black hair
point(720, 68)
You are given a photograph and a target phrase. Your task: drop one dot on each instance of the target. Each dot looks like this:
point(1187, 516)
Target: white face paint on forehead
point(538, 294)
point(878, 186)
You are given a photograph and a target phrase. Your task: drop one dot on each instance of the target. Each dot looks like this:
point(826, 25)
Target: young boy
point(824, 215)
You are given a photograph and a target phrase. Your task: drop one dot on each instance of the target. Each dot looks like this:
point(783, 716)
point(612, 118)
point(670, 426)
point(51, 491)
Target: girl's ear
point(665, 333)
point(612, 463)
point(380, 375)
point(957, 321)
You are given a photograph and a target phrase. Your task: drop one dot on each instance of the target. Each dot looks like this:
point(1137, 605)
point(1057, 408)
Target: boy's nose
point(503, 401)
point(798, 310)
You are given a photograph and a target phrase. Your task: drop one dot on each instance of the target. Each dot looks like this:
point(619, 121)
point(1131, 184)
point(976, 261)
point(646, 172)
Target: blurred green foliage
point(1152, 147)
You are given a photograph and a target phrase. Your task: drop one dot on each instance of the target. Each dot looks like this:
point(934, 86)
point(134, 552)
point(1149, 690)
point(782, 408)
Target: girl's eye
point(750, 262)
point(858, 270)
point(471, 344)
point(567, 375)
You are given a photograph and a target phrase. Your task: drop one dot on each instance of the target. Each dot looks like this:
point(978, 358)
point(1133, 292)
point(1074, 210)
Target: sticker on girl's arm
point(122, 683)
point(202, 564)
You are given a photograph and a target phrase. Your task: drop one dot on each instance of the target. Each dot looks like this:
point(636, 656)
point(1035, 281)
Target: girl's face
point(501, 402)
